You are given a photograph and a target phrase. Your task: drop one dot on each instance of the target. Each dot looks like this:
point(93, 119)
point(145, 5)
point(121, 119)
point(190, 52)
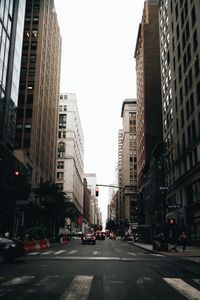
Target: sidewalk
point(190, 250)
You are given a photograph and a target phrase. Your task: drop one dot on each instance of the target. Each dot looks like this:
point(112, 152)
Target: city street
point(111, 269)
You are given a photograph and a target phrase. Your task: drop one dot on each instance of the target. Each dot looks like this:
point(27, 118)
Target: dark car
point(100, 235)
point(89, 238)
point(10, 249)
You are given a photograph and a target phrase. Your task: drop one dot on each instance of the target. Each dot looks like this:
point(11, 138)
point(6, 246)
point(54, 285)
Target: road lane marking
point(78, 289)
point(155, 254)
point(18, 280)
point(47, 252)
point(72, 251)
point(184, 288)
point(95, 252)
point(33, 253)
point(131, 253)
point(60, 251)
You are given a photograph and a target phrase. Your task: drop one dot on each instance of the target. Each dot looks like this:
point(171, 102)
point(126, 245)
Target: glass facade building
point(11, 34)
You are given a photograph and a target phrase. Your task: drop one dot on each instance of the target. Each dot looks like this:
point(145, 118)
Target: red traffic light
point(97, 192)
point(171, 221)
point(17, 173)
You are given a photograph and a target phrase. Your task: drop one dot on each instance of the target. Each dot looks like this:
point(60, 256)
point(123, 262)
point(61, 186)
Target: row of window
point(62, 107)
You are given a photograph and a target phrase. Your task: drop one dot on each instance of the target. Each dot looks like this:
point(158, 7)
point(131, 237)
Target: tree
point(53, 201)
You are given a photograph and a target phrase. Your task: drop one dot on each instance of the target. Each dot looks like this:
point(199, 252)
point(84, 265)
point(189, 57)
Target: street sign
point(174, 206)
point(163, 188)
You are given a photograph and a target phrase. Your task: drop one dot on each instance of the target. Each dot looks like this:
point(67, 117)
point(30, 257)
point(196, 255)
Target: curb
point(186, 253)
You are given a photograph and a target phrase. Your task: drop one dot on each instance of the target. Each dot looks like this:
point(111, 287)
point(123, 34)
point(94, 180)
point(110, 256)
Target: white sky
point(98, 65)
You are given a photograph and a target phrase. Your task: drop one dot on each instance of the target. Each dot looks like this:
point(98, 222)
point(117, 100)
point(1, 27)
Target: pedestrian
point(183, 240)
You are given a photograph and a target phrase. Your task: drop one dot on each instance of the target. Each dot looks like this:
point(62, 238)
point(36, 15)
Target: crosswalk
point(80, 286)
point(93, 253)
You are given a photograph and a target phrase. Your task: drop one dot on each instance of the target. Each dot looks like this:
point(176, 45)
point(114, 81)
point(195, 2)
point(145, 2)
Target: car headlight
point(10, 245)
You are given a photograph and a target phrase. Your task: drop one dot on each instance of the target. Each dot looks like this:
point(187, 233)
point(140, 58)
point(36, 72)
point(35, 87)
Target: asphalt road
point(109, 270)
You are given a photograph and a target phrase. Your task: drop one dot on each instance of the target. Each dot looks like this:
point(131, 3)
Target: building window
point(62, 120)
point(191, 103)
point(30, 85)
point(189, 135)
point(196, 65)
point(32, 72)
point(61, 150)
point(193, 130)
point(198, 92)
point(193, 16)
point(60, 175)
point(60, 165)
point(33, 45)
point(34, 33)
point(33, 58)
point(182, 119)
point(29, 113)
point(195, 41)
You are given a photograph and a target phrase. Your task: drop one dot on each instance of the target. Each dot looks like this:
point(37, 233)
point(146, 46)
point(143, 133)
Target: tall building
point(11, 35)
point(39, 89)
point(119, 168)
point(180, 76)
point(70, 152)
point(149, 104)
point(129, 162)
point(95, 215)
point(12, 23)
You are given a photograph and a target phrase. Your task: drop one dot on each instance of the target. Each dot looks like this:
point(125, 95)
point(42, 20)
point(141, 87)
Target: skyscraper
point(149, 103)
point(70, 152)
point(129, 162)
point(180, 65)
point(39, 89)
point(11, 36)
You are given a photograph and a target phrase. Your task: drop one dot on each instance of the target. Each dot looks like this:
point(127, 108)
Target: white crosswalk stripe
point(184, 288)
point(47, 252)
point(95, 252)
point(78, 289)
point(132, 253)
point(18, 280)
point(72, 252)
point(59, 252)
point(81, 285)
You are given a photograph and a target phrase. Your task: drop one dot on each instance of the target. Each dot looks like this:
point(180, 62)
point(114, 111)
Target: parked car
point(100, 235)
point(10, 249)
point(89, 238)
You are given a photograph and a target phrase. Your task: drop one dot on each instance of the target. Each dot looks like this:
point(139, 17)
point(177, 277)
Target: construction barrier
point(36, 245)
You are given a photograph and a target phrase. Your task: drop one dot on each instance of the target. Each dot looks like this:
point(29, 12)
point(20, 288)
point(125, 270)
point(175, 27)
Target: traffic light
point(17, 173)
point(97, 192)
point(171, 221)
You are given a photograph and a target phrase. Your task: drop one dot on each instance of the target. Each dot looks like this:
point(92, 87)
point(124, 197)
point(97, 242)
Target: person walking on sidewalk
point(183, 240)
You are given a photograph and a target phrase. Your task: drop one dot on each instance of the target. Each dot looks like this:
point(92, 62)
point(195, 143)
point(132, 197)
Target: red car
point(112, 236)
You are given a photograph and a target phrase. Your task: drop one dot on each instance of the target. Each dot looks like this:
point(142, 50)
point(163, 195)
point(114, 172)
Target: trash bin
point(159, 242)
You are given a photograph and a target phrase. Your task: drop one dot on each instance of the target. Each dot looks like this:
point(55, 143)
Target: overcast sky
point(98, 65)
